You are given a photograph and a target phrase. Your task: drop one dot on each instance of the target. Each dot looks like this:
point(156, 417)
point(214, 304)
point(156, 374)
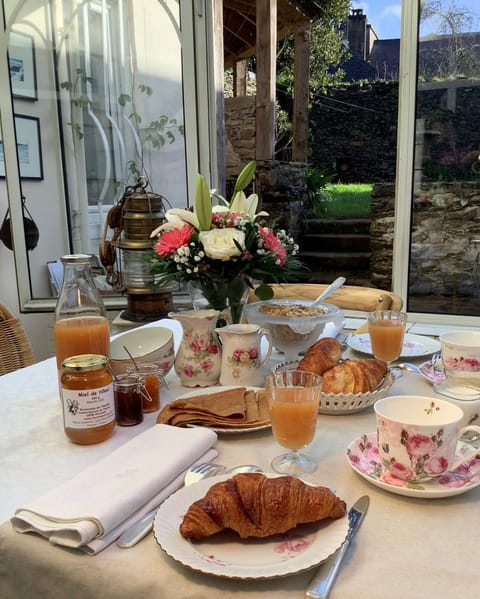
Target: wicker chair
point(15, 347)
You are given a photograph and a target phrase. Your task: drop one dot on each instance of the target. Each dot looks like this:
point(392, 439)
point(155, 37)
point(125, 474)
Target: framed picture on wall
point(29, 150)
point(21, 63)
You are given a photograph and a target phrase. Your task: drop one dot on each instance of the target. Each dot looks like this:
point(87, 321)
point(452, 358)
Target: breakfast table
point(409, 545)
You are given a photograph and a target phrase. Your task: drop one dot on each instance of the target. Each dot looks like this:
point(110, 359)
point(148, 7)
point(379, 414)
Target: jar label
point(88, 408)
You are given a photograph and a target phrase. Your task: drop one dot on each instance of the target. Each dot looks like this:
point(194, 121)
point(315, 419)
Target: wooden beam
point(300, 92)
point(266, 72)
point(240, 78)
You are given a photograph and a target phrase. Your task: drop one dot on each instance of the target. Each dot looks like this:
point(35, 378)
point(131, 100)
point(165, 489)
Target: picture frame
point(22, 67)
point(29, 149)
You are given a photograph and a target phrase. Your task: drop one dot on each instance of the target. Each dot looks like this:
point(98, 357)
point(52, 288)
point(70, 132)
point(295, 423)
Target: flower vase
point(198, 359)
point(226, 296)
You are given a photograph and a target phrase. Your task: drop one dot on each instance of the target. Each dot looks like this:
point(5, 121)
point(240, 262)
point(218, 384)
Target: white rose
point(219, 243)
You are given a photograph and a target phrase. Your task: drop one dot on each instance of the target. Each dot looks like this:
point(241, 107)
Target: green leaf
point(245, 176)
point(264, 292)
point(203, 204)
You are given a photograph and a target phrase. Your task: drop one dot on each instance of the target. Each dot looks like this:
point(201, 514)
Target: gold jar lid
point(85, 362)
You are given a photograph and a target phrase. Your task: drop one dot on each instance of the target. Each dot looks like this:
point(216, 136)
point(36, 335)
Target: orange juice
point(386, 337)
point(294, 416)
point(81, 335)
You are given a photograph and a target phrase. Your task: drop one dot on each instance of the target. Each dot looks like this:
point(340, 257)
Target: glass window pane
point(446, 199)
point(98, 97)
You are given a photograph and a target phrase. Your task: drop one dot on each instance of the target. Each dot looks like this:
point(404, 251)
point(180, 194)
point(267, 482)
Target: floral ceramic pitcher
point(198, 358)
point(241, 354)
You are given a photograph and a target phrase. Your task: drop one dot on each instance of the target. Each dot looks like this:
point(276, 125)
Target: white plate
point(220, 429)
point(414, 346)
point(225, 554)
point(362, 455)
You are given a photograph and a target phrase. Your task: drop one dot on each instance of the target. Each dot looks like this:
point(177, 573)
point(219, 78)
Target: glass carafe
point(81, 324)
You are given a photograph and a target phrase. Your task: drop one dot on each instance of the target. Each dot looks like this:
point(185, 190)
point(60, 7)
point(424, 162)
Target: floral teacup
point(417, 436)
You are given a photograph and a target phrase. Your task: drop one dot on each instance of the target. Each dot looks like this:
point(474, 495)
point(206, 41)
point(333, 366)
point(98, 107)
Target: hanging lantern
point(133, 219)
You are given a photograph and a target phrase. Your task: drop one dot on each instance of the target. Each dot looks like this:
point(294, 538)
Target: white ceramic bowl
point(149, 344)
point(293, 334)
point(461, 356)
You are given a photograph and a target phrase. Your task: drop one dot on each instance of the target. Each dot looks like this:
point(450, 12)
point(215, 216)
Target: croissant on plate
point(321, 356)
point(256, 506)
point(354, 376)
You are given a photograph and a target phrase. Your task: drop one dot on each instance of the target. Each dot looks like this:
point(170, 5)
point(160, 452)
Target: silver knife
point(322, 582)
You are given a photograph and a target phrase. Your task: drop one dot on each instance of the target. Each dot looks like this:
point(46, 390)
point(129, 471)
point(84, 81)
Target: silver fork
point(202, 470)
point(142, 527)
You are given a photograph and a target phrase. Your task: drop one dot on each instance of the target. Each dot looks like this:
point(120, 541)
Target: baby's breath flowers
point(224, 248)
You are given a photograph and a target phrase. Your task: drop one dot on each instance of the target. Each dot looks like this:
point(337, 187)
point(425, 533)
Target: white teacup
point(417, 436)
point(461, 356)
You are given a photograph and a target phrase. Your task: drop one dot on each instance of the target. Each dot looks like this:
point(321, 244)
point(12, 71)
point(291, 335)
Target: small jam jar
point(87, 399)
point(150, 376)
point(128, 392)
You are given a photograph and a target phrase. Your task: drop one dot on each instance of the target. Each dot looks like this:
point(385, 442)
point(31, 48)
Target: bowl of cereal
point(295, 324)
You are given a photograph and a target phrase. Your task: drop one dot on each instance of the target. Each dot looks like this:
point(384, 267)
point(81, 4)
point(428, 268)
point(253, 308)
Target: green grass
point(342, 200)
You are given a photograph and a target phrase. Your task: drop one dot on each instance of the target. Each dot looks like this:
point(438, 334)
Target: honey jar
point(87, 399)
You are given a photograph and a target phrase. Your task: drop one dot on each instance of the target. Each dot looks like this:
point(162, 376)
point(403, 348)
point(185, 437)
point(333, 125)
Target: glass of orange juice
point(294, 397)
point(387, 330)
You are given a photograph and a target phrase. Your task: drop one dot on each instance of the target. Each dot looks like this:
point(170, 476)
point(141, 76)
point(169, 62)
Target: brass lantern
point(133, 219)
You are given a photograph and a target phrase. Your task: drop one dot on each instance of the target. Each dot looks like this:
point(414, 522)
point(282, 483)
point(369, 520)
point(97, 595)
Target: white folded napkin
point(91, 510)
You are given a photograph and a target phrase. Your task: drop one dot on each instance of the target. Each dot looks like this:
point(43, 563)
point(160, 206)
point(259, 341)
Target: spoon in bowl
point(329, 290)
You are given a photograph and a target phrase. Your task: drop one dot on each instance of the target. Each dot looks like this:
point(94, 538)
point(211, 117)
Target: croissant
point(253, 505)
point(354, 376)
point(321, 356)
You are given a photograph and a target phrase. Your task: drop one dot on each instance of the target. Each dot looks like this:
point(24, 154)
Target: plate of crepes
point(251, 525)
point(228, 410)
point(348, 386)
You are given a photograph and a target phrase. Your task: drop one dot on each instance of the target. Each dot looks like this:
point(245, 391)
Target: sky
point(384, 16)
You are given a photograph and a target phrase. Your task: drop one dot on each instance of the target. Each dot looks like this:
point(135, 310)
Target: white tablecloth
point(406, 548)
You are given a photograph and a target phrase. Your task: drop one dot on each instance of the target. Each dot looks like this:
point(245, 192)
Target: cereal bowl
point(461, 356)
point(294, 324)
point(146, 345)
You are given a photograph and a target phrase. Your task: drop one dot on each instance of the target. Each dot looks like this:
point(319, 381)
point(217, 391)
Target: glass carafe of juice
point(81, 324)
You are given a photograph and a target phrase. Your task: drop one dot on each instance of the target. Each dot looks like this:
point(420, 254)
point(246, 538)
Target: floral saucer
point(434, 373)
point(362, 455)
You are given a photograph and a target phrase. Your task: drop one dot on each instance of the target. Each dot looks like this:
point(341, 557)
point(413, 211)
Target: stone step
point(333, 242)
point(318, 260)
point(338, 226)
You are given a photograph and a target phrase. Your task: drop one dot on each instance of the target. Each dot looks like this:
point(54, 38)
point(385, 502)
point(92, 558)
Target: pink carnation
point(171, 240)
point(273, 244)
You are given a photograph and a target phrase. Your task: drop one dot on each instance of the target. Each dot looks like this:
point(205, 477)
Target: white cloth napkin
point(91, 510)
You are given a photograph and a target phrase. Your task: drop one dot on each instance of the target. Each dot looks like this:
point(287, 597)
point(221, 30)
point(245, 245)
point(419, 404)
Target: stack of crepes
point(237, 407)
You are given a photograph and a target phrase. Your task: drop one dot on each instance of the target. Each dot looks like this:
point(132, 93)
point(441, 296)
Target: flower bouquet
point(223, 248)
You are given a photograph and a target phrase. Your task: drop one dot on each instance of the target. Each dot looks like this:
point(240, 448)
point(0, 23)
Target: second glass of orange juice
point(294, 397)
point(387, 330)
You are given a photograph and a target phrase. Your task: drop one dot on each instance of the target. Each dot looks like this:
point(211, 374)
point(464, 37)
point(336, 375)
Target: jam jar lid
point(85, 362)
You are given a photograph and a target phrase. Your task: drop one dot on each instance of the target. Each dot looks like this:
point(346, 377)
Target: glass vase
point(228, 296)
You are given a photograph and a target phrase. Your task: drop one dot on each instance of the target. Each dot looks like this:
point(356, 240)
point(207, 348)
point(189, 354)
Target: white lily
point(176, 219)
point(240, 203)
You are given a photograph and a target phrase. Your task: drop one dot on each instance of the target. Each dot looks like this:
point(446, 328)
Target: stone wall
point(445, 221)
point(280, 185)
point(354, 132)
point(240, 133)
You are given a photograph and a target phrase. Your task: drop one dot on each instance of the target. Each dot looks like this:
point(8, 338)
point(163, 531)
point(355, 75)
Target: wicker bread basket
point(15, 347)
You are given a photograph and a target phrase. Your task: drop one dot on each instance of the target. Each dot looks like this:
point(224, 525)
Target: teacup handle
point(266, 333)
point(469, 455)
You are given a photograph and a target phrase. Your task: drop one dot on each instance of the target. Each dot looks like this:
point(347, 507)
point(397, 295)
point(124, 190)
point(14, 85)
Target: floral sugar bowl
point(242, 358)
point(198, 358)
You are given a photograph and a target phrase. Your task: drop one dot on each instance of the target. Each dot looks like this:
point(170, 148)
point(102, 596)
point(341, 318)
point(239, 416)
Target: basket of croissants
point(347, 385)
